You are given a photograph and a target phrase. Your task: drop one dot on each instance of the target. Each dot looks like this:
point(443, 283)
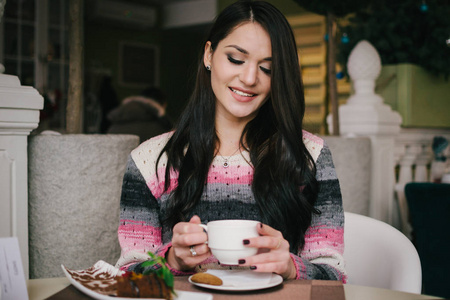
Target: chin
point(241, 110)
point(244, 115)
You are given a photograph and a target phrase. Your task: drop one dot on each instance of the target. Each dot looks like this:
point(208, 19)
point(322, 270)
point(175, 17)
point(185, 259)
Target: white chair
point(379, 255)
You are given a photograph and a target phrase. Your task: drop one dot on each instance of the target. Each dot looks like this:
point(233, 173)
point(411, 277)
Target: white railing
point(413, 156)
point(398, 155)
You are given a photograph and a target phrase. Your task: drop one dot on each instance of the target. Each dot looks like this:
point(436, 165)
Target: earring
point(208, 67)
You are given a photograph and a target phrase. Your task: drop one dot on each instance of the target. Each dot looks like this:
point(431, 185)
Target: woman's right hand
point(185, 236)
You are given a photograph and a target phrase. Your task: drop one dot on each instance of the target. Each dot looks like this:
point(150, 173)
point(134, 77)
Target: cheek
point(218, 75)
point(220, 68)
point(267, 84)
point(215, 83)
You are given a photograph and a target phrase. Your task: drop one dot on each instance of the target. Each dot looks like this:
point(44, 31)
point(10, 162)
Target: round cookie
point(206, 279)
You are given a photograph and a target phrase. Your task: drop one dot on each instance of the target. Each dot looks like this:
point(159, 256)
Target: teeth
point(242, 93)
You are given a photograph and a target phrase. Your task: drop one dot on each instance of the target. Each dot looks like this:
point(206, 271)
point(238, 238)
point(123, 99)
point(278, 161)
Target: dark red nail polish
point(252, 267)
point(246, 242)
point(241, 261)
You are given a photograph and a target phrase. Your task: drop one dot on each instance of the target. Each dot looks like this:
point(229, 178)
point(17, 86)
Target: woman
point(238, 152)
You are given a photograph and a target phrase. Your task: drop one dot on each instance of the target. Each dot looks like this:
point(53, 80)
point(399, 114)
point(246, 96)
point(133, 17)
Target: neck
point(229, 136)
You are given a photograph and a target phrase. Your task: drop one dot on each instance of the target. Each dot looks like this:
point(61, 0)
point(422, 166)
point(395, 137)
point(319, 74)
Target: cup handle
point(205, 228)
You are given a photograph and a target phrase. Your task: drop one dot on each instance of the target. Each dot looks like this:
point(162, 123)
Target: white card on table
point(12, 277)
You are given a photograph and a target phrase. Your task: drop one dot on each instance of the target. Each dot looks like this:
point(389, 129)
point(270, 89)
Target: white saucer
point(274, 281)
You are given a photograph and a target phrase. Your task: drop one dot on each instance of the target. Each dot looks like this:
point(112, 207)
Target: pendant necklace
point(225, 160)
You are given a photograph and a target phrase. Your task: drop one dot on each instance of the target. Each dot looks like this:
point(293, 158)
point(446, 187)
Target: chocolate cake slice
point(142, 286)
point(155, 281)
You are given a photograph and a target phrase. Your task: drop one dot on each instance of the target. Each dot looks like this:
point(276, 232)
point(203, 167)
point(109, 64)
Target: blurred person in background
point(143, 115)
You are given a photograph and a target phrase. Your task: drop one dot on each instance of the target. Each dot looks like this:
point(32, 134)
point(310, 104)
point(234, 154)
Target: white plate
point(274, 281)
point(98, 282)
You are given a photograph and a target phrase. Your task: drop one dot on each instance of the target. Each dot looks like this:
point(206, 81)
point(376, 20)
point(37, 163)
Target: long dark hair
point(284, 183)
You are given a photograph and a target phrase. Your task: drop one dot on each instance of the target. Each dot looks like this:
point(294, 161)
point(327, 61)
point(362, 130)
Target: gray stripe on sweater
point(325, 166)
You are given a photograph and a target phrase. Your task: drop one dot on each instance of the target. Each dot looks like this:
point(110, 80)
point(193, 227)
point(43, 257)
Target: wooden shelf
point(344, 87)
point(306, 19)
point(309, 31)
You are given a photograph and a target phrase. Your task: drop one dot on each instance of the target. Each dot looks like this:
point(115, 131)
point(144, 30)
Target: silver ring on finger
point(193, 252)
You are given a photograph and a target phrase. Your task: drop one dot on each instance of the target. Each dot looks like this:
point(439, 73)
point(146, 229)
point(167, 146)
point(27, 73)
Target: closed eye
point(267, 71)
point(235, 61)
point(240, 62)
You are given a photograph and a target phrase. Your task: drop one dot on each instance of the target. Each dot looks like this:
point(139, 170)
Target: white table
point(40, 289)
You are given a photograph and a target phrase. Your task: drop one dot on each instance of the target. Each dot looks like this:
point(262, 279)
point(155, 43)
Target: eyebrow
point(245, 51)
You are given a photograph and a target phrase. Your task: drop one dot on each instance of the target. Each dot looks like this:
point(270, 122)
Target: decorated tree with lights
point(407, 31)
point(332, 10)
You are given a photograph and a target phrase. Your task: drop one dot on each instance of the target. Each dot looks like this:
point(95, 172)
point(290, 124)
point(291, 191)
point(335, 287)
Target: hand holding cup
point(189, 246)
point(232, 242)
point(273, 254)
point(225, 239)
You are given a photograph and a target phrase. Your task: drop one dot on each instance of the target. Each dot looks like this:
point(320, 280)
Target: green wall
point(421, 98)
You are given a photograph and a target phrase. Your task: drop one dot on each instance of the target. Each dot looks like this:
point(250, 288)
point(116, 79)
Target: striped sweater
point(227, 195)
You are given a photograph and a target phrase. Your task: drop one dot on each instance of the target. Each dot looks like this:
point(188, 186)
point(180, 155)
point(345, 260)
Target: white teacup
point(225, 239)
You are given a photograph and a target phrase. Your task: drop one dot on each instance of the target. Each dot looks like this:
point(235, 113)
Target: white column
point(405, 175)
point(422, 160)
point(19, 114)
point(365, 114)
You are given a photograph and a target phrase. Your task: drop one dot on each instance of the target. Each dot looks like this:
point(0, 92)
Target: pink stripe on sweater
point(131, 226)
point(139, 236)
point(320, 234)
point(240, 176)
point(156, 184)
point(297, 263)
point(320, 238)
point(300, 267)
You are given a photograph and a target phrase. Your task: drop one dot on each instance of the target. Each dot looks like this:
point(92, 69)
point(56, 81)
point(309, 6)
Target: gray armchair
point(74, 193)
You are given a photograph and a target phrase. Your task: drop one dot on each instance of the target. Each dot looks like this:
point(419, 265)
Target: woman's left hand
point(273, 255)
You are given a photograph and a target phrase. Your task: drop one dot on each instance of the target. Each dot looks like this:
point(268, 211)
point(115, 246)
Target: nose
point(249, 74)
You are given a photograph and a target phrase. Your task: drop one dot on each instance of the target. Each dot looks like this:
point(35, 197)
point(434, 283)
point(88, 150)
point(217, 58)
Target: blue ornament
point(325, 37)
point(423, 7)
point(345, 39)
point(340, 75)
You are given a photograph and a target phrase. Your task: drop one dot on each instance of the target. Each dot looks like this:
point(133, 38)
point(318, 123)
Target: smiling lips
point(242, 96)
